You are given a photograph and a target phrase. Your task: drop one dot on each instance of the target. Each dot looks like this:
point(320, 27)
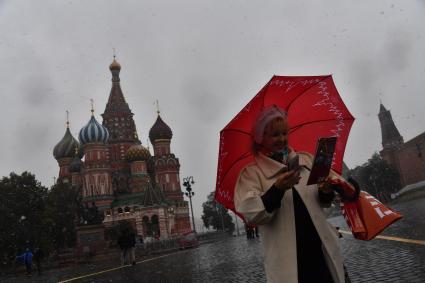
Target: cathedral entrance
point(151, 226)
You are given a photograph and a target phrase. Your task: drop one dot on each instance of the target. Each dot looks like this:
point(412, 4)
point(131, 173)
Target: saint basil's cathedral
point(119, 175)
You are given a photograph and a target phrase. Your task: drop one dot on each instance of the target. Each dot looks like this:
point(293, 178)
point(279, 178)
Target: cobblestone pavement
point(239, 260)
point(389, 261)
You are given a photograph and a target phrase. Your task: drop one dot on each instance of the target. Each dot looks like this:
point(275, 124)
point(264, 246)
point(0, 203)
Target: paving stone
point(237, 259)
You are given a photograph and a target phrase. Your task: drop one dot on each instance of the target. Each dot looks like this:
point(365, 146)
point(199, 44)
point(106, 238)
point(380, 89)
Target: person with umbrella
point(299, 244)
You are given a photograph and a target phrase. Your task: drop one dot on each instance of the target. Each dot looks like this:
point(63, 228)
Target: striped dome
point(66, 146)
point(137, 152)
point(93, 132)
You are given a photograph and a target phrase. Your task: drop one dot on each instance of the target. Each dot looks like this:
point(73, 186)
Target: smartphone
point(294, 163)
point(322, 161)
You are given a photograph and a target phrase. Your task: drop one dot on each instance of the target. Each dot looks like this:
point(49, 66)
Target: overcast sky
point(203, 61)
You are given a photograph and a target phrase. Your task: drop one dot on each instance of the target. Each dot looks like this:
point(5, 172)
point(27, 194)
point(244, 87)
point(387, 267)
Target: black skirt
point(311, 263)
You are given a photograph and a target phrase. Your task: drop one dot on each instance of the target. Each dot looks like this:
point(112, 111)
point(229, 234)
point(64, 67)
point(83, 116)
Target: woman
point(299, 244)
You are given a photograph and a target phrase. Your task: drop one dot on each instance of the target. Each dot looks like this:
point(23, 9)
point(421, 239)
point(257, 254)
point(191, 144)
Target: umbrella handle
point(349, 191)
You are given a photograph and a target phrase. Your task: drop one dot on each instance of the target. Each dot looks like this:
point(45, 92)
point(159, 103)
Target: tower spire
point(117, 117)
point(390, 135)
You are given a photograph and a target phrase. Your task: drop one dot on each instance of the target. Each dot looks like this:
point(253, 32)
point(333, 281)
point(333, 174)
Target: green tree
point(376, 176)
point(215, 215)
point(22, 205)
point(63, 213)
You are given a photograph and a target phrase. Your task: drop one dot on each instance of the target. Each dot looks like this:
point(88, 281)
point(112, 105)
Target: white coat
point(278, 228)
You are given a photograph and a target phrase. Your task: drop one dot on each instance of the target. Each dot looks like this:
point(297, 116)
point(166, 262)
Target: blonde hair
point(266, 115)
point(275, 124)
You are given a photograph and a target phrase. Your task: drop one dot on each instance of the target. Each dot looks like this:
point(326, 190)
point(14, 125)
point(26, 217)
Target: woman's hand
point(326, 186)
point(287, 180)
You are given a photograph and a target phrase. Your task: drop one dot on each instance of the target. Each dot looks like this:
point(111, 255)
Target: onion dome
point(66, 147)
point(137, 152)
point(75, 166)
point(93, 132)
point(160, 130)
point(115, 65)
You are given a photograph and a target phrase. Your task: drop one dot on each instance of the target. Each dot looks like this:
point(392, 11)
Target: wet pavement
point(237, 259)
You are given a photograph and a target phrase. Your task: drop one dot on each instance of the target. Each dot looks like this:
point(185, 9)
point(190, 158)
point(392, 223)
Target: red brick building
point(407, 157)
point(119, 175)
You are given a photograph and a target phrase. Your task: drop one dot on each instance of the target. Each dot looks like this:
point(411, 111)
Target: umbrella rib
point(304, 91)
point(316, 121)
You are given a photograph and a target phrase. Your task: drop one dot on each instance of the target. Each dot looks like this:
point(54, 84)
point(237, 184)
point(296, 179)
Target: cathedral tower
point(138, 156)
point(166, 165)
point(118, 119)
point(64, 153)
point(96, 175)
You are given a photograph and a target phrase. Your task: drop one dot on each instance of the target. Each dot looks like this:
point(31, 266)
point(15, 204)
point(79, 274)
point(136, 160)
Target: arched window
point(119, 210)
point(127, 209)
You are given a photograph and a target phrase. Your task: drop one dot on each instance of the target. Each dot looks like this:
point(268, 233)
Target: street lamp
point(187, 182)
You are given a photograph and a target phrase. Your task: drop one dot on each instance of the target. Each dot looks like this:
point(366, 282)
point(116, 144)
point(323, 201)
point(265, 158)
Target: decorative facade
point(407, 157)
point(120, 176)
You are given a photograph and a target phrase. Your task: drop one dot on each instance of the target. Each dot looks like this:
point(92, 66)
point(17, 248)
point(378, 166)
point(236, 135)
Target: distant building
point(119, 175)
point(407, 157)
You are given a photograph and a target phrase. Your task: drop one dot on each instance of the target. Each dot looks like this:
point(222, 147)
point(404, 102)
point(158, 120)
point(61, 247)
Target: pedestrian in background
point(123, 243)
point(131, 247)
point(26, 258)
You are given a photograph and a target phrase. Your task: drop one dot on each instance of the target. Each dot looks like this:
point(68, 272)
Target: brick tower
point(392, 141)
point(64, 153)
point(118, 119)
point(96, 174)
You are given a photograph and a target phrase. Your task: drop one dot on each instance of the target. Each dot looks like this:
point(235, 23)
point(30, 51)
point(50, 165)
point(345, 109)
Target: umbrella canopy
point(314, 110)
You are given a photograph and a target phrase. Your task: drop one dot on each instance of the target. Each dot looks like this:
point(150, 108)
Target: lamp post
point(187, 182)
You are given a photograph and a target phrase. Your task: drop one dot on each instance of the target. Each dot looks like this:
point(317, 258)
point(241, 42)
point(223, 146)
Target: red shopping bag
point(367, 217)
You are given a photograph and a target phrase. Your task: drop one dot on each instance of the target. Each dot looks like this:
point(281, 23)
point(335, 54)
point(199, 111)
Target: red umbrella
point(314, 110)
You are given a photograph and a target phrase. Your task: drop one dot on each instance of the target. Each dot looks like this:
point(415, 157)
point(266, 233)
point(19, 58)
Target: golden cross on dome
point(67, 119)
point(157, 106)
point(114, 54)
point(92, 107)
